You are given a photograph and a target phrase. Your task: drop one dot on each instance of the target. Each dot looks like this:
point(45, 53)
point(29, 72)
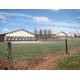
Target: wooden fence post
point(9, 48)
point(66, 46)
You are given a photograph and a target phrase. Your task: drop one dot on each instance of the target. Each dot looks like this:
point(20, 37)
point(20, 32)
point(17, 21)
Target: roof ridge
point(16, 31)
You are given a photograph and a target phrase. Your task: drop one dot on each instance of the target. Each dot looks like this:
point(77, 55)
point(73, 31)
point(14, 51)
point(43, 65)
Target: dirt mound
point(27, 64)
point(23, 64)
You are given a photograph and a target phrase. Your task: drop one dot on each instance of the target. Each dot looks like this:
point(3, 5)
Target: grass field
point(31, 50)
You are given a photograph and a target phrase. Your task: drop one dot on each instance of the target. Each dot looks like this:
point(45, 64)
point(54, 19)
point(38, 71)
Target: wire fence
point(22, 51)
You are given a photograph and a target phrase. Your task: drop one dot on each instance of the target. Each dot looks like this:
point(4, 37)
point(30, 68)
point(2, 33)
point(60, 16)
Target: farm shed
point(61, 35)
point(18, 35)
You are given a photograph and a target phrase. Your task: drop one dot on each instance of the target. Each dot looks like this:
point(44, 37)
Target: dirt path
point(53, 58)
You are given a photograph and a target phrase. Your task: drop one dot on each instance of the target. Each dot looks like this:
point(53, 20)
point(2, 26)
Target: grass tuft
point(71, 62)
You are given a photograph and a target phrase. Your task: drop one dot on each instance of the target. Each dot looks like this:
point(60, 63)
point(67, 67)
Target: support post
point(66, 46)
point(9, 48)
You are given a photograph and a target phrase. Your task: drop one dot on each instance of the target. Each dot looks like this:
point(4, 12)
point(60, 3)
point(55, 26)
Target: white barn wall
point(61, 34)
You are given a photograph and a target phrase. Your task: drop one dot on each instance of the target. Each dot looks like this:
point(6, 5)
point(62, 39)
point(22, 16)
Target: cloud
point(16, 14)
point(19, 14)
point(2, 16)
point(42, 19)
point(55, 10)
point(6, 30)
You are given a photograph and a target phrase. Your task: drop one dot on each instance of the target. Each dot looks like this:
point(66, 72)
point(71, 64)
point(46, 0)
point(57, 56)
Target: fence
point(22, 51)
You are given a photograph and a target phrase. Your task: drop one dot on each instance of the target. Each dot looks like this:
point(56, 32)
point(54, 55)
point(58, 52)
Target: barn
point(59, 35)
point(18, 35)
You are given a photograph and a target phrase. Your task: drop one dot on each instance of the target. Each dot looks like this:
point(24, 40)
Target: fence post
point(66, 46)
point(9, 48)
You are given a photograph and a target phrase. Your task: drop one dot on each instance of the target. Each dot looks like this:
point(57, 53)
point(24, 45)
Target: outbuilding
point(61, 35)
point(18, 35)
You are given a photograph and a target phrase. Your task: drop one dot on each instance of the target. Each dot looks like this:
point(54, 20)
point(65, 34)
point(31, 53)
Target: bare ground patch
point(3, 63)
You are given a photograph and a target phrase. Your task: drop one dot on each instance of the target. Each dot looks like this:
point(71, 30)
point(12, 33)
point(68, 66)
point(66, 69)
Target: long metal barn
point(18, 35)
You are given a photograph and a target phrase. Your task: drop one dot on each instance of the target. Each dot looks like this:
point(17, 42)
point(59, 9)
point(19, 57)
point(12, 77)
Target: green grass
point(3, 50)
point(71, 62)
point(31, 50)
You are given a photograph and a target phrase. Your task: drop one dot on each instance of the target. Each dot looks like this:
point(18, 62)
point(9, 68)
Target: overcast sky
point(66, 20)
